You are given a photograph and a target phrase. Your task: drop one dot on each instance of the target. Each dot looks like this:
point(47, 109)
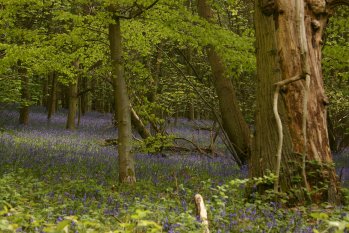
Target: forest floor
point(54, 180)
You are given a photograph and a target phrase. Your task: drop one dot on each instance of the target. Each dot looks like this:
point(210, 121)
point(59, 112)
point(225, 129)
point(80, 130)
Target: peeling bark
point(309, 145)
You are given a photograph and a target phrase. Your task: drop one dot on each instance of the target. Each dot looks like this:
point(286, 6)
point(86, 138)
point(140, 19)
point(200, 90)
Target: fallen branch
point(195, 145)
point(175, 148)
point(204, 151)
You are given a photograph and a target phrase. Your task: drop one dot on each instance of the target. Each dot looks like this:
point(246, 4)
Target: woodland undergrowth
point(53, 180)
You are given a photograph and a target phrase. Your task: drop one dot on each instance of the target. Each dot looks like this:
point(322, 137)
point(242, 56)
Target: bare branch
point(139, 12)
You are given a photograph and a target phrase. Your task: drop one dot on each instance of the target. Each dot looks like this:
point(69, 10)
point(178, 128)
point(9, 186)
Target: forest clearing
point(174, 116)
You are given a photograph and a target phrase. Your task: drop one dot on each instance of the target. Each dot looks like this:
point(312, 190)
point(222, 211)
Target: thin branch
point(96, 40)
point(93, 29)
point(189, 63)
point(139, 12)
point(145, 9)
point(279, 85)
point(187, 140)
point(288, 81)
point(280, 135)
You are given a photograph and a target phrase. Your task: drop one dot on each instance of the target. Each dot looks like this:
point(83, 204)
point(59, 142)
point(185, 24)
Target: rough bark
point(232, 118)
point(268, 72)
point(53, 96)
point(279, 47)
point(126, 158)
point(73, 105)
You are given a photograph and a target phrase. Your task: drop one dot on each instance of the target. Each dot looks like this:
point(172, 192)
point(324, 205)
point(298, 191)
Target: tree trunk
point(73, 104)
point(191, 111)
point(126, 158)
point(279, 47)
point(79, 110)
point(191, 106)
point(45, 93)
point(152, 97)
point(232, 118)
point(53, 96)
point(268, 72)
point(84, 96)
point(25, 98)
point(64, 96)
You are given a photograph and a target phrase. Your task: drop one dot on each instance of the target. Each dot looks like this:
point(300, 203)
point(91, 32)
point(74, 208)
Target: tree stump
point(201, 212)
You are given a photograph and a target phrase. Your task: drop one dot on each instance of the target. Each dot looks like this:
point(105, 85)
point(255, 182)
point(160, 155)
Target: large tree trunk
point(278, 45)
point(268, 72)
point(53, 96)
point(73, 105)
point(233, 122)
point(126, 158)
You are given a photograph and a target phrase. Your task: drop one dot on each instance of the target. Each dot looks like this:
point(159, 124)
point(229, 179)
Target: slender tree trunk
point(73, 104)
point(191, 111)
point(25, 96)
point(53, 96)
point(79, 110)
point(232, 118)
point(64, 96)
point(279, 48)
point(191, 107)
point(152, 97)
point(84, 96)
point(126, 158)
point(45, 93)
